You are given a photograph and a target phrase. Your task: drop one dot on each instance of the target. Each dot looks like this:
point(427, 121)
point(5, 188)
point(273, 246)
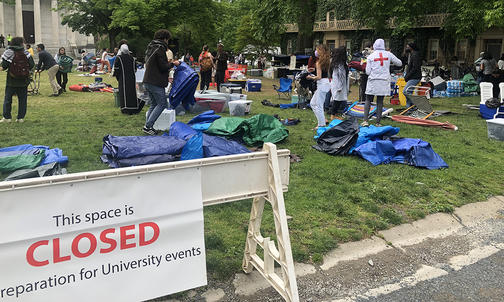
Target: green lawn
point(331, 199)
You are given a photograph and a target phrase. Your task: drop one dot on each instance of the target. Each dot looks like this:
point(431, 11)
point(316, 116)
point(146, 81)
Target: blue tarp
point(201, 126)
point(185, 82)
point(204, 145)
point(137, 161)
point(121, 147)
point(206, 117)
point(51, 155)
point(409, 151)
point(182, 131)
point(372, 133)
point(194, 148)
point(287, 106)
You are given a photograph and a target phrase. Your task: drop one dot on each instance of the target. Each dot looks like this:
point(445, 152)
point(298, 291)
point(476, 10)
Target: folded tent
point(185, 82)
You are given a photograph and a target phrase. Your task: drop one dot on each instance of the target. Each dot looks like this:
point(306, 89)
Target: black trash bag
point(339, 139)
point(40, 171)
point(493, 103)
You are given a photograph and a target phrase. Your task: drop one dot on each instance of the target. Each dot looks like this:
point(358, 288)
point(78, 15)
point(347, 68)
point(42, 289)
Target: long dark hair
point(339, 57)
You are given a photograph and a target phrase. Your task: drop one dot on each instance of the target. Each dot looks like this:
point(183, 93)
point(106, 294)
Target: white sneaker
point(20, 120)
point(5, 120)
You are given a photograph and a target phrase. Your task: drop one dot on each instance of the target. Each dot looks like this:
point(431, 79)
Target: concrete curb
point(439, 225)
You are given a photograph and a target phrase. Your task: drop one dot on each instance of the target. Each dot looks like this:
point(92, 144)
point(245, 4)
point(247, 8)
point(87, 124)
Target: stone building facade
point(429, 34)
point(37, 22)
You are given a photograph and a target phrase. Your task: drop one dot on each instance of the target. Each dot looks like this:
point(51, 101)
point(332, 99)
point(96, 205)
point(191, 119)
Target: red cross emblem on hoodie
point(381, 59)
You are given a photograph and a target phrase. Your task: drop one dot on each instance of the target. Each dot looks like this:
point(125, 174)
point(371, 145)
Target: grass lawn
point(331, 199)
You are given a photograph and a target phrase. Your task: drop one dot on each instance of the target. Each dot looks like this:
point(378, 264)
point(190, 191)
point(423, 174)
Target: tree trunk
point(112, 35)
point(305, 23)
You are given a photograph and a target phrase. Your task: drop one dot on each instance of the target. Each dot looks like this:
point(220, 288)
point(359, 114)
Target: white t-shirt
point(104, 55)
point(169, 55)
point(500, 64)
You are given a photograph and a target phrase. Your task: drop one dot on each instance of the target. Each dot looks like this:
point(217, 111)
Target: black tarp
point(339, 139)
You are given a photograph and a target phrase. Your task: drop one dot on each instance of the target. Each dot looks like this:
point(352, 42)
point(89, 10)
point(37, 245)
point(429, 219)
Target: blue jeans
point(22, 94)
point(409, 84)
point(158, 103)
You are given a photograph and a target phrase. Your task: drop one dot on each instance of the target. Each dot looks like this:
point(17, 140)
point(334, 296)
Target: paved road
point(447, 258)
point(482, 281)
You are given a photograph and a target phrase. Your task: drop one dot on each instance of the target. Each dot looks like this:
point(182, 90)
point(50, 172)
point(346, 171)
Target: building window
point(366, 41)
point(462, 49)
point(433, 49)
point(331, 44)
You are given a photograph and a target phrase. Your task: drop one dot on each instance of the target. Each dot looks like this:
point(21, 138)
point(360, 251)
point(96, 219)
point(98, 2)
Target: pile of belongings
point(304, 86)
point(358, 62)
point(93, 87)
point(27, 161)
point(378, 145)
point(455, 88)
point(185, 82)
point(206, 135)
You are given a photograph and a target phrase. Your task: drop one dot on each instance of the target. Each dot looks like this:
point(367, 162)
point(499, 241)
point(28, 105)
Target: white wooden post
point(285, 282)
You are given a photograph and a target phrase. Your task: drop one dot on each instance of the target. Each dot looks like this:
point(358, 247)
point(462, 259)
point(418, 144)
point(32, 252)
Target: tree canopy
point(259, 23)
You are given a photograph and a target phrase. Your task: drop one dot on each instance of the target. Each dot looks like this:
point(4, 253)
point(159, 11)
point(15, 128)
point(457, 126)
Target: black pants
point(22, 94)
point(379, 107)
point(220, 75)
point(206, 78)
point(338, 107)
point(59, 76)
point(362, 87)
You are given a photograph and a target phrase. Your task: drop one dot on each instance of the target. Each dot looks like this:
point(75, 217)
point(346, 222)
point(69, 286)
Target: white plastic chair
point(486, 91)
point(501, 88)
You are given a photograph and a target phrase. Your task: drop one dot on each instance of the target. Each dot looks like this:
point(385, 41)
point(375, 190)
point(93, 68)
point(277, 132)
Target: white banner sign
point(125, 238)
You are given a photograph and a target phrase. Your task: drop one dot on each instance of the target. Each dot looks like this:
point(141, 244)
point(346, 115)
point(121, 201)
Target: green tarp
point(470, 85)
point(24, 159)
point(259, 129)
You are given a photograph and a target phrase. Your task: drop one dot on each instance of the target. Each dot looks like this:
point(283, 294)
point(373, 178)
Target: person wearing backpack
point(206, 63)
point(47, 62)
point(17, 62)
point(65, 64)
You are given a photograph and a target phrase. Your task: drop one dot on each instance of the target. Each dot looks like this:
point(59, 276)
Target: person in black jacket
point(47, 62)
point(413, 70)
point(157, 69)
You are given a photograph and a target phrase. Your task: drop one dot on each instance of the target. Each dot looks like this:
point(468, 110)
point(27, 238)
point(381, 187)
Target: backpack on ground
point(206, 63)
point(19, 68)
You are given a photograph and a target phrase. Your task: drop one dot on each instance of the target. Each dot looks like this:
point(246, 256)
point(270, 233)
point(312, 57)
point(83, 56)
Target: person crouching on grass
point(339, 86)
point(323, 66)
point(47, 62)
point(17, 62)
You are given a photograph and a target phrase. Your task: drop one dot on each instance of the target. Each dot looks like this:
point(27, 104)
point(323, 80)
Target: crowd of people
point(329, 69)
point(331, 72)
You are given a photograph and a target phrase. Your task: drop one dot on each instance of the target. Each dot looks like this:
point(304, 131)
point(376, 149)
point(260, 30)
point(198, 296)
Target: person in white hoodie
point(378, 71)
